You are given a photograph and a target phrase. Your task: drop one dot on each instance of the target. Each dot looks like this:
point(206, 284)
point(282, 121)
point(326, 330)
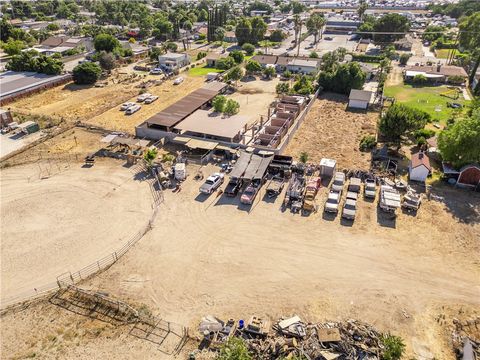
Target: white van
point(180, 171)
point(132, 109)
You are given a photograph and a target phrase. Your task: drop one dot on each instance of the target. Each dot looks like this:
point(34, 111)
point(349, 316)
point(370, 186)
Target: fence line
point(69, 278)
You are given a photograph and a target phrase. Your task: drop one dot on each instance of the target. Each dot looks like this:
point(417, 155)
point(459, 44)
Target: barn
point(469, 176)
point(359, 99)
point(419, 168)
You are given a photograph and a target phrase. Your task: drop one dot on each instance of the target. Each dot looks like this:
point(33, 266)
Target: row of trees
point(32, 61)
point(387, 23)
point(250, 30)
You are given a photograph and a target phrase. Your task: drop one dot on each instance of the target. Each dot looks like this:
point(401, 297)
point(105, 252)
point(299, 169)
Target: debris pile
point(466, 338)
point(290, 337)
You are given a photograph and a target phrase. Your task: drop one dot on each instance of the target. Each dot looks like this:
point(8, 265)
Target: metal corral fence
point(82, 274)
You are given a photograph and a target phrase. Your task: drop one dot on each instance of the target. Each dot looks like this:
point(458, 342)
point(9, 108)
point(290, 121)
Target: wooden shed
point(469, 176)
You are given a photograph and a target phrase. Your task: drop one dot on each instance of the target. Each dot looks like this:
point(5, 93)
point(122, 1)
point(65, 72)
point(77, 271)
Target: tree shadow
point(74, 87)
point(386, 219)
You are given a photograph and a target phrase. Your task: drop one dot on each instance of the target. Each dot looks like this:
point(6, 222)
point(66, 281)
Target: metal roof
point(241, 165)
point(362, 95)
point(12, 82)
point(175, 113)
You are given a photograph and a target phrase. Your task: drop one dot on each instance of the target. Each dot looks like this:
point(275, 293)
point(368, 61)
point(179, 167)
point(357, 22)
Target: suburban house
point(213, 57)
point(297, 65)
point(230, 37)
point(419, 167)
point(359, 99)
point(435, 73)
point(54, 43)
point(173, 61)
point(137, 48)
point(265, 60)
point(341, 26)
point(403, 44)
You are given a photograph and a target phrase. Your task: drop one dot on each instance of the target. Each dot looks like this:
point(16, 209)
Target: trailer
point(295, 192)
point(275, 186)
point(311, 191)
point(411, 200)
point(389, 199)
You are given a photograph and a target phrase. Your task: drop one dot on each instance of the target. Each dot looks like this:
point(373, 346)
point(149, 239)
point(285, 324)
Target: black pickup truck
point(234, 185)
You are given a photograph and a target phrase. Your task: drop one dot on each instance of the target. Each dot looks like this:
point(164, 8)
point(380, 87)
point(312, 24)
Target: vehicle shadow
point(346, 222)
point(386, 219)
point(328, 216)
point(202, 197)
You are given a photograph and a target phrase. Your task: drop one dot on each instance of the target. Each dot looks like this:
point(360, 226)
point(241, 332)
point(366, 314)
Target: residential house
point(297, 64)
point(213, 57)
point(137, 48)
point(59, 44)
point(419, 168)
point(173, 61)
point(435, 73)
point(230, 37)
point(265, 60)
point(359, 99)
point(341, 26)
point(403, 44)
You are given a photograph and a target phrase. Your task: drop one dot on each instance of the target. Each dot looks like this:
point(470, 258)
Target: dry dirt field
point(100, 106)
point(66, 221)
point(331, 131)
point(254, 97)
point(209, 255)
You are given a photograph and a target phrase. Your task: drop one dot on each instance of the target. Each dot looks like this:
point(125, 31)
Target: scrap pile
point(466, 338)
point(292, 337)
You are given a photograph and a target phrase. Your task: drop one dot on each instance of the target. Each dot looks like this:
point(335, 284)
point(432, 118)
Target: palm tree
point(315, 25)
point(362, 7)
point(297, 21)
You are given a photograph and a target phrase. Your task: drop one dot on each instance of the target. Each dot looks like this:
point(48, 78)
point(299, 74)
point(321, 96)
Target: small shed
point(327, 167)
point(419, 168)
point(359, 99)
point(5, 118)
point(29, 127)
point(469, 176)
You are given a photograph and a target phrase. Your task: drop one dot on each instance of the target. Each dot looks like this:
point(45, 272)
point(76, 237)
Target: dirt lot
point(99, 105)
point(332, 131)
point(209, 255)
point(66, 221)
point(254, 97)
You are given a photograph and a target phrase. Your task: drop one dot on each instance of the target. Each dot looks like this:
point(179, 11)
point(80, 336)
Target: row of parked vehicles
point(131, 107)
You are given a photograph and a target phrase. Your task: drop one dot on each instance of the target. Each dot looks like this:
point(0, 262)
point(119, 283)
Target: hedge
point(367, 58)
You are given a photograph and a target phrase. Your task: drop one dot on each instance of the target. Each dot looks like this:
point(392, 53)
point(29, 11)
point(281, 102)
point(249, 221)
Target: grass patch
point(202, 70)
point(426, 98)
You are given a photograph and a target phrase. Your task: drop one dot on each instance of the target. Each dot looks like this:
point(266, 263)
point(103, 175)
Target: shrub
point(234, 349)
point(201, 55)
point(150, 155)
point(225, 63)
point(282, 88)
point(237, 55)
point(303, 157)
point(394, 347)
point(368, 142)
point(287, 74)
point(425, 133)
point(404, 58)
point(248, 48)
point(421, 141)
point(86, 73)
point(231, 107)
point(219, 103)
point(420, 79)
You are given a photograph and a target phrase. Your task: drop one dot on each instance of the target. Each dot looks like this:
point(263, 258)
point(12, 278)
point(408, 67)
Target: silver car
point(338, 182)
point(212, 183)
point(349, 209)
point(370, 188)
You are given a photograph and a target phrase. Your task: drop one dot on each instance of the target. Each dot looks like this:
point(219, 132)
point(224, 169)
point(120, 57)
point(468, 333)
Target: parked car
point(250, 193)
point(338, 182)
point(126, 105)
point(355, 185)
point(212, 183)
point(310, 192)
point(156, 71)
point(143, 97)
point(233, 186)
point(151, 99)
point(132, 109)
point(333, 202)
point(328, 38)
point(350, 206)
point(370, 188)
point(178, 81)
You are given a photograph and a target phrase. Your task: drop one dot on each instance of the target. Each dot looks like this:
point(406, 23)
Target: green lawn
point(426, 98)
point(202, 70)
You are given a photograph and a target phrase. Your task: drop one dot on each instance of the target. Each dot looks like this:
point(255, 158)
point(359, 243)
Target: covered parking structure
point(251, 167)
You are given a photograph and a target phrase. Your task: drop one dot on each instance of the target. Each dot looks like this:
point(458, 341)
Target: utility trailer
point(389, 199)
point(295, 191)
point(275, 186)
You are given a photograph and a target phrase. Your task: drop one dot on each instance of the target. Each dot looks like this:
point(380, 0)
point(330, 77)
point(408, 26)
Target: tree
point(259, 6)
point(404, 58)
point(105, 42)
point(163, 28)
point(420, 79)
point(248, 48)
point(391, 23)
point(469, 39)
point(362, 8)
point(202, 15)
point(266, 45)
point(401, 119)
point(31, 61)
point(5, 29)
point(253, 67)
point(218, 103)
point(171, 46)
point(237, 55)
point(394, 347)
point(107, 61)
point(154, 53)
point(315, 24)
point(13, 47)
point(269, 72)
point(225, 63)
point(150, 155)
point(234, 349)
point(86, 73)
point(277, 36)
point(231, 107)
point(343, 78)
point(459, 143)
point(303, 86)
point(313, 55)
point(243, 31)
point(234, 74)
point(201, 55)
point(297, 28)
point(219, 34)
point(259, 28)
point(298, 8)
point(282, 88)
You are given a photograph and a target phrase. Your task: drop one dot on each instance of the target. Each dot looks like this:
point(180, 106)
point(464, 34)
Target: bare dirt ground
point(331, 131)
point(66, 221)
point(210, 255)
point(254, 97)
point(395, 76)
point(99, 106)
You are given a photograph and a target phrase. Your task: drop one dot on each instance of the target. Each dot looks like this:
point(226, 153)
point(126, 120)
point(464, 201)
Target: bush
point(394, 347)
point(234, 349)
point(421, 141)
point(248, 48)
point(368, 142)
point(420, 79)
point(303, 86)
point(231, 107)
point(401, 119)
point(219, 103)
point(404, 58)
point(171, 46)
point(425, 133)
point(282, 88)
point(86, 73)
point(287, 74)
point(343, 78)
point(237, 55)
point(225, 63)
point(303, 157)
point(201, 55)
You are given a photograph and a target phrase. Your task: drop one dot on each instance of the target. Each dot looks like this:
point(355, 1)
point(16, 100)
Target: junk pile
point(466, 338)
point(291, 337)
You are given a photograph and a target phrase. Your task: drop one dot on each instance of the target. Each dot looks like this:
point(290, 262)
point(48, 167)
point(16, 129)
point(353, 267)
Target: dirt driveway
point(332, 131)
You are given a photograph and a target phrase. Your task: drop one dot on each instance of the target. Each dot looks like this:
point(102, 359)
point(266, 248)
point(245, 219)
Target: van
point(180, 171)
point(132, 109)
